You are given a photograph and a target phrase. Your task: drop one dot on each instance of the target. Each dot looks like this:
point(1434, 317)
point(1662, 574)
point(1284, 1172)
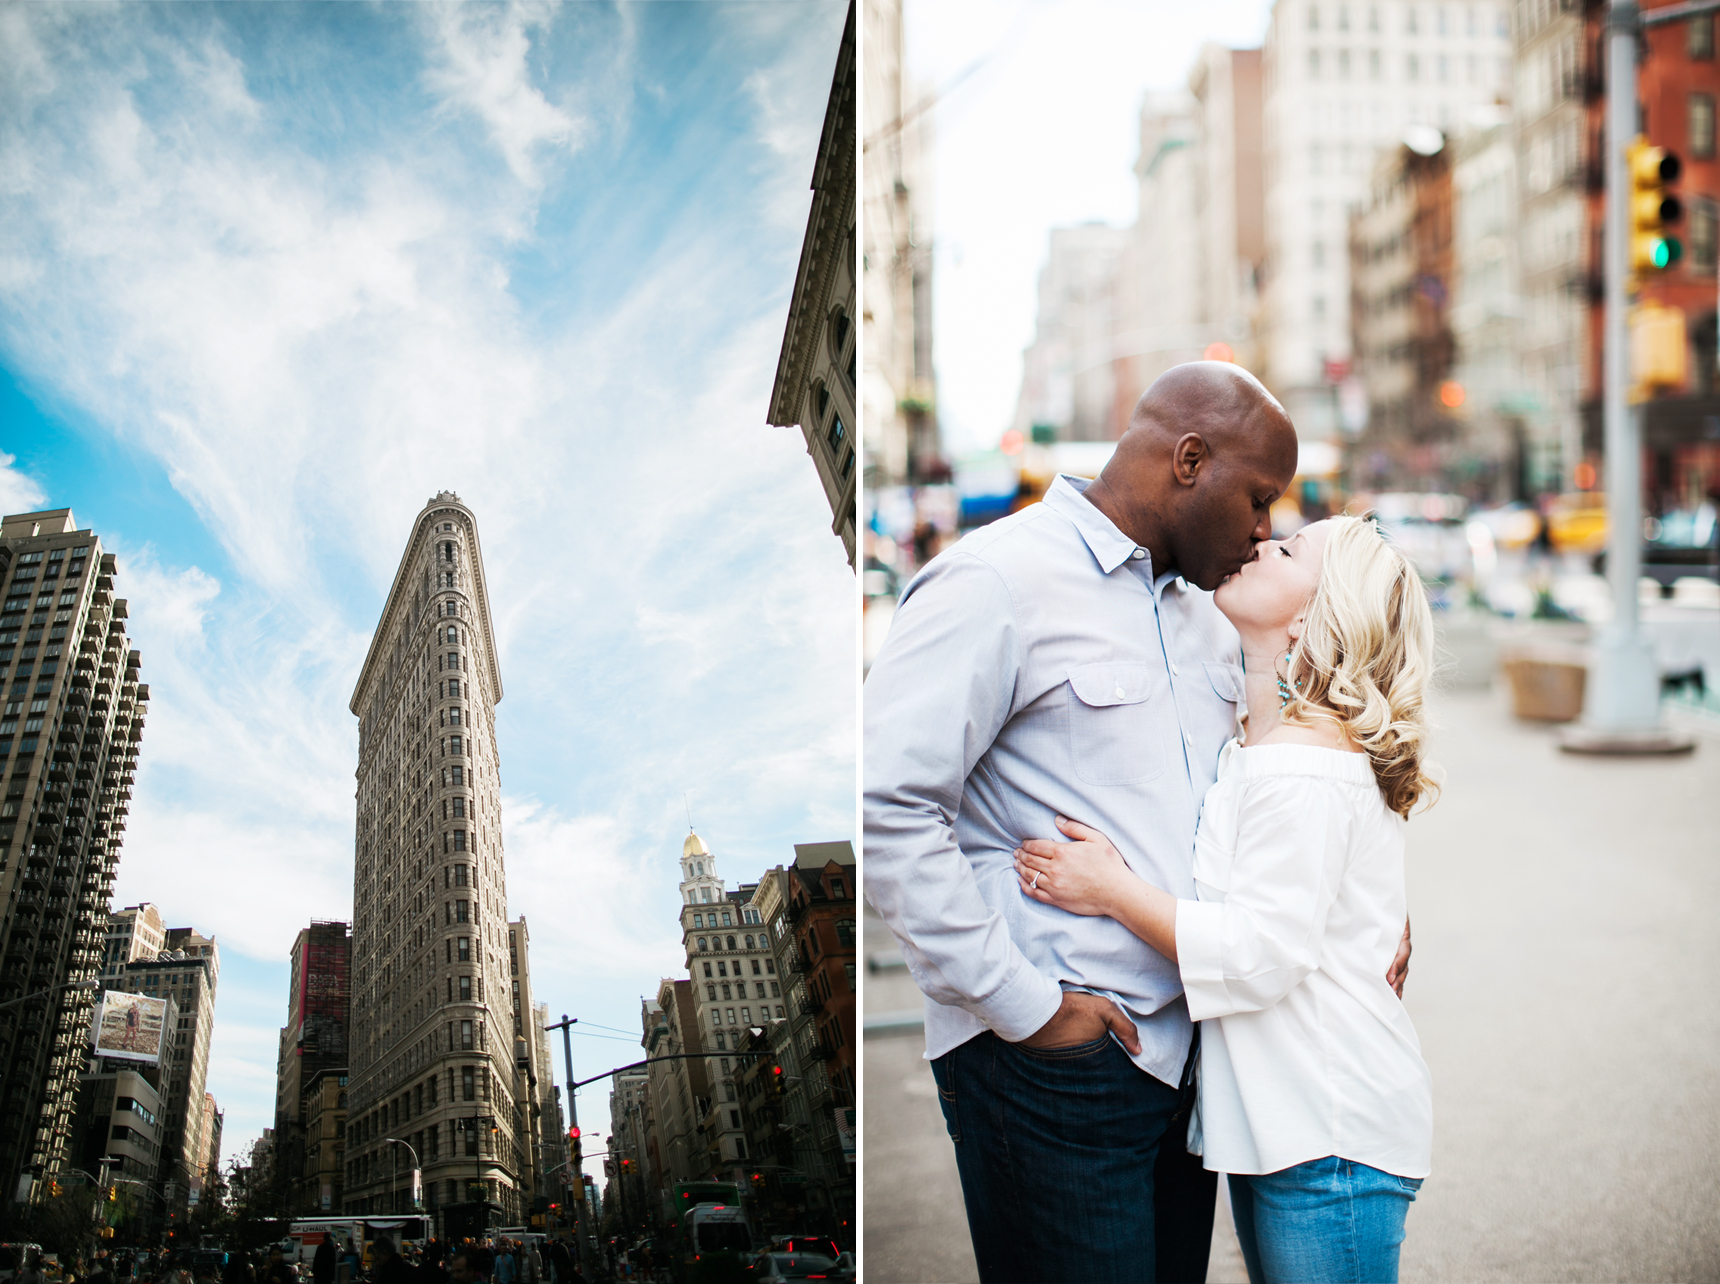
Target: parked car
point(1683, 542)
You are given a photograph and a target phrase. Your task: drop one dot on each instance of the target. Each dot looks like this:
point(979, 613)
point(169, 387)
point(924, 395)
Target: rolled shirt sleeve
point(1244, 953)
point(936, 698)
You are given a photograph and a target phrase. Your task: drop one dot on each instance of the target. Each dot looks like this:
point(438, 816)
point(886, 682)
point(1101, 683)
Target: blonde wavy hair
point(1365, 658)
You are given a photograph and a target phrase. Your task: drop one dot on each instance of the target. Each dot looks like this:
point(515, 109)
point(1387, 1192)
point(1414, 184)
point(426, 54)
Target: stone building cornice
point(831, 219)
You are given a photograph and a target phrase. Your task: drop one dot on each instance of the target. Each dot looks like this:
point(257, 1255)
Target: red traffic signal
point(573, 1133)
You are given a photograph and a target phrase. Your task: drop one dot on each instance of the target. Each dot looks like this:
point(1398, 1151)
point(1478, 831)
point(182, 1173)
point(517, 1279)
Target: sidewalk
point(1566, 987)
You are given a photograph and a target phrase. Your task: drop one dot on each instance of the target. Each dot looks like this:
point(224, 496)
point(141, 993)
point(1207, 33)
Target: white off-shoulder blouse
point(1305, 1050)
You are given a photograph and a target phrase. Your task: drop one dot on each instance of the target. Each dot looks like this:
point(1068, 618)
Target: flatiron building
point(431, 1050)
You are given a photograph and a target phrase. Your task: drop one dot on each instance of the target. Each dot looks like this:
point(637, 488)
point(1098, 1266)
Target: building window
point(1313, 64)
point(448, 552)
point(460, 914)
point(465, 989)
point(454, 717)
point(726, 993)
point(1704, 233)
point(466, 1043)
point(453, 688)
point(458, 775)
point(459, 840)
point(464, 949)
point(755, 967)
point(836, 434)
point(1313, 17)
point(1702, 126)
point(1412, 65)
point(707, 969)
point(845, 932)
point(711, 993)
point(1699, 35)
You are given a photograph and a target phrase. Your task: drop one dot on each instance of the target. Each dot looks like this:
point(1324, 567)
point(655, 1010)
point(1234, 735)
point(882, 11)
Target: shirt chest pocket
point(1114, 738)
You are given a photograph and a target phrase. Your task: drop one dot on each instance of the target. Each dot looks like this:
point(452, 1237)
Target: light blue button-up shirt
point(1037, 669)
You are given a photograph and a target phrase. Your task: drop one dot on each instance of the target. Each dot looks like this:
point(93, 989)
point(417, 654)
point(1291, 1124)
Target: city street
point(1563, 987)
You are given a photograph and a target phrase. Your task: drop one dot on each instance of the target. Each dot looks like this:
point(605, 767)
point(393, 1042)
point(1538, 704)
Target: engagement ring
point(1034, 885)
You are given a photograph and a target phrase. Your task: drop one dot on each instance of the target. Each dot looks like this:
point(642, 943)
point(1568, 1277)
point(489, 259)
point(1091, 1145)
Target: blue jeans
point(1328, 1221)
point(1061, 1167)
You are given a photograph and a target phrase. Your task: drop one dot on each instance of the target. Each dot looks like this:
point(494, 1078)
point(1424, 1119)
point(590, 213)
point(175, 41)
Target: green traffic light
point(1661, 255)
point(1674, 249)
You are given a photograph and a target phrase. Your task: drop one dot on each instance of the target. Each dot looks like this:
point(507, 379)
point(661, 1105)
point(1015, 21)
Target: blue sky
point(272, 276)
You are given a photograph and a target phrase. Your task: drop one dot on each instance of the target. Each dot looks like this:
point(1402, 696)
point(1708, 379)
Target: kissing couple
point(1136, 780)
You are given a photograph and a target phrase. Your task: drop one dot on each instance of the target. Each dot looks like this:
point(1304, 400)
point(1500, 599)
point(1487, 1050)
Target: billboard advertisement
point(130, 1026)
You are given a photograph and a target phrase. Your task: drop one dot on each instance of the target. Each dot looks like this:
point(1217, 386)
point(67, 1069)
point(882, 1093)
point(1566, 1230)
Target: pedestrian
point(386, 1266)
point(323, 1262)
point(560, 1265)
point(277, 1271)
point(504, 1271)
point(531, 1264)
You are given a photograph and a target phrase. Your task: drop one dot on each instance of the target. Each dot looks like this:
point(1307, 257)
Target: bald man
point(1068, 660)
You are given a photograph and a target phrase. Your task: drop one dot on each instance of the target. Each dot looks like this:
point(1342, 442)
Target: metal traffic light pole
point(565, 1025)
point(1622, 707)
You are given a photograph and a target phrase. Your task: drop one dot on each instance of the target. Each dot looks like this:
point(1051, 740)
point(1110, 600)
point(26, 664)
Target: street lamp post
point(417, 1168)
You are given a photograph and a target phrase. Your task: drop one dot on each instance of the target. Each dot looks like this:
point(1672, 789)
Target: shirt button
point(1175, 672)
point(1120, 693)
point(1138, 554)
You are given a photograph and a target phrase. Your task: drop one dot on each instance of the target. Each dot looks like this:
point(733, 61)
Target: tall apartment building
point(1188, 275)
point(680, 1090)
point(629, 1120)
point(69, 732)
point(208, 1185)
point(321, 1174)
point(815, 374)
point(735, 985)
point(1068, 381)
point(809, 907)
point(188, 971)
point(135, 932)
point(313, 1043)
point(903, 445)
point(1503, 450)
point(534, 1074)
point(1552, 76)
point(1344, 79)
point(431, 1050)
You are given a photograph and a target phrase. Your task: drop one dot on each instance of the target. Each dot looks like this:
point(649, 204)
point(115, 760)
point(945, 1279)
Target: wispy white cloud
point(19, 492)
point(481, 63)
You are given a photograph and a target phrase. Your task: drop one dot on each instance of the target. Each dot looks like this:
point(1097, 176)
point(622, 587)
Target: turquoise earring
point(1284, 687)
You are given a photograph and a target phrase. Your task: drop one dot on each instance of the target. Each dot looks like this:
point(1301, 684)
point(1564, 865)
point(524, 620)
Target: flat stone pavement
point(1566, 987)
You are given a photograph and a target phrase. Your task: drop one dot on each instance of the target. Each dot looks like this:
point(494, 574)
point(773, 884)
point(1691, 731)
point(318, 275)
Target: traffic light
point(1658, 348)
point(573, 1140)
point(778, 1082)
point(758, 1181)
point(1652, 208)
point(54, 1189)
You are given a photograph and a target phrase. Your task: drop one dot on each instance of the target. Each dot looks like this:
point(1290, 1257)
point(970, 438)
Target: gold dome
point(694, 846)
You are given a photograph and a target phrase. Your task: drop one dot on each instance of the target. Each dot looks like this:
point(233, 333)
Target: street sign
point(418, 1189)
point(790, 1178)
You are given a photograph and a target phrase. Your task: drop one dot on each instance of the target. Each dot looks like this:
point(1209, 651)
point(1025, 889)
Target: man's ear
point(1188, 457)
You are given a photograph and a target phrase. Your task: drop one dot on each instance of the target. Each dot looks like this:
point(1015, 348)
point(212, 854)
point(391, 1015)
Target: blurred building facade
point(816, 371)
point(1678, 87)
point(899, 393)
point(675, 1150)
point(69, 735)
point(1344, 80)
point(1555, 72)
point(1068, 382)
point(1189, 270)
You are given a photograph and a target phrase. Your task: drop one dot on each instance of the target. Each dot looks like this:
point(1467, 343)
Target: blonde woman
point(1313, 1094)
